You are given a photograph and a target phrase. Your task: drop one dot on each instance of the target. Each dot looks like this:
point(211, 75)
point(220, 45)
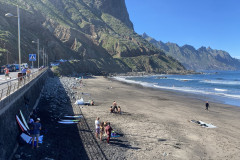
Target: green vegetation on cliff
point(93, 33)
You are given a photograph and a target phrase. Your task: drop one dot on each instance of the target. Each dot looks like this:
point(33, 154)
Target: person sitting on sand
point(111, 109)
point(119, 110)
point(92, 103)
point(115, 106)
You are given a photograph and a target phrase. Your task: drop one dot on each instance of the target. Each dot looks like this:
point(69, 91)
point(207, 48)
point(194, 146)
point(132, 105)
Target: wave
point(221, 82)
point(220, 90)
point(181, 89)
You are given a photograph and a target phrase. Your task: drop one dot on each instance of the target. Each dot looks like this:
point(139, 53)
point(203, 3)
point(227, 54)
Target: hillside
point(197, 59)
point(98, 34)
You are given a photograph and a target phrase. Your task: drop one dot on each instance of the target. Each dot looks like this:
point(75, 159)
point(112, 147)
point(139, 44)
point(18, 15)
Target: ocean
point(218, 86)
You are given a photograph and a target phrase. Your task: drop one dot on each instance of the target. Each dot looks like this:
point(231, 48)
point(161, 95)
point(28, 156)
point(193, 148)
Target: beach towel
point(114, 134)
point(203, 124)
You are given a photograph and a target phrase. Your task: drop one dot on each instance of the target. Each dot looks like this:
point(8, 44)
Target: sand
point(154, 124)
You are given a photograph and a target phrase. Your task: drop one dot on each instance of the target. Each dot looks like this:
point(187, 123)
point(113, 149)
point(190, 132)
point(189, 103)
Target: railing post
point(1, 94)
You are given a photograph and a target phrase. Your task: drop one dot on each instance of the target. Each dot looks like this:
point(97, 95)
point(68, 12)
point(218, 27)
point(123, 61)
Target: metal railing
point(13, 85)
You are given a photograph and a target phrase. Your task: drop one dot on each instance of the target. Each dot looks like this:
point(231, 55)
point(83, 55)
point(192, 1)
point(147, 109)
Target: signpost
point(32, 57)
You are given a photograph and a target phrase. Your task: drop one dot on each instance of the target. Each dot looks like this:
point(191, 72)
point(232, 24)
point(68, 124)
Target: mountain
point(197, 59)
point(97, 34)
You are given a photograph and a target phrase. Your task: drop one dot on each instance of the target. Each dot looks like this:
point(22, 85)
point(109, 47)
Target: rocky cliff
point(197, 59)
point(98, 34)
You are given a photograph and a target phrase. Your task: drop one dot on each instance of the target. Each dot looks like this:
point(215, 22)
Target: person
point(111, 109)
point(24, 71)
point(119, 110)
point(6, 70)
point(97, 125)
point(115, 106)
point(28, 72)
point(92, 103)
point(108, 130)
point(101, 130)
point(207, 105)
point(36, 127)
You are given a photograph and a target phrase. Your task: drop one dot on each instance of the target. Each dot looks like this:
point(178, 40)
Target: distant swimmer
point(207, 105)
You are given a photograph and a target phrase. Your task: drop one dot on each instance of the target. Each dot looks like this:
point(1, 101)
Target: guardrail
point(7, 88)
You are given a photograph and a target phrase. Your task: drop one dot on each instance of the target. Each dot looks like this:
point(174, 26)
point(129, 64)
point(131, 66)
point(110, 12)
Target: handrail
point(9, 87)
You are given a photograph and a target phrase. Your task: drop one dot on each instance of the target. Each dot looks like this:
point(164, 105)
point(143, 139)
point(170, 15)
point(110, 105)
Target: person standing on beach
point(97, 125)
point(108, 130)
point(36, 127)
point(115, 106)
point(207, 105)
point(101, 130)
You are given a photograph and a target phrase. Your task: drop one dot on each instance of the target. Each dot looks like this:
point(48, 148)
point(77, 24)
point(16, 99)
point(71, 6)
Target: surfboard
point(63, 122)
point(24, 121)
point(23, 128)
point(69, 120)
point(80, 116)
point(26, 138)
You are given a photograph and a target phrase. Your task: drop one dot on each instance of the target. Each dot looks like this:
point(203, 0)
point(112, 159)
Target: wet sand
point(155, 124)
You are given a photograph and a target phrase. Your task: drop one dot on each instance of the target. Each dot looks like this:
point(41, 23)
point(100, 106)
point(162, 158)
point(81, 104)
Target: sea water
point(218, 86)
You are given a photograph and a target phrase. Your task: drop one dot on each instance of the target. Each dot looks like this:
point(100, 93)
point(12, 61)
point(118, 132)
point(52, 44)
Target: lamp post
point(19, 49)
point(43, 56)
point(37, 49)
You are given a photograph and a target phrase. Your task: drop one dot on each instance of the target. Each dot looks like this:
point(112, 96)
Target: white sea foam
point(221, 82)
point(220, 90)
point(182, 89)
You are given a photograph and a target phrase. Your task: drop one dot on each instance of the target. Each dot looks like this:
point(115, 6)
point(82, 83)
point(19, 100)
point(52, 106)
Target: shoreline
point(203, 97)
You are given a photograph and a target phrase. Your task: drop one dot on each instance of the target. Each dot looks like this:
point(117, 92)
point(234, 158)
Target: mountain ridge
point(203, 58)
point(98, 32)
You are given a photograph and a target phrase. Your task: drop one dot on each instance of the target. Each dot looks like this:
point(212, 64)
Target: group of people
point(35, 127)
point(103, 128)
point(114, 108)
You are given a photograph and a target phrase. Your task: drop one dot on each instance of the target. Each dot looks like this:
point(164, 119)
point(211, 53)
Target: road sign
point(32, 57)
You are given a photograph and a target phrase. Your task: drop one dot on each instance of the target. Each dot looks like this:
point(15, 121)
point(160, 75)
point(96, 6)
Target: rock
point(17, 156)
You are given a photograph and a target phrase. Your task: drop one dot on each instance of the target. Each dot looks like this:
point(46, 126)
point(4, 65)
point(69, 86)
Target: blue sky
point(214, 23)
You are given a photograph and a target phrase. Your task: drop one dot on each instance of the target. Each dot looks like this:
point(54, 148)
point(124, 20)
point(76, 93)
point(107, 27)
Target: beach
point(154, 124)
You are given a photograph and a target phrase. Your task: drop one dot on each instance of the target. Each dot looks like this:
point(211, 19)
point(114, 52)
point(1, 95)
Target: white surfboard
point(23, 128)
point(63, 122)
point(80, 116)
point(24, 121)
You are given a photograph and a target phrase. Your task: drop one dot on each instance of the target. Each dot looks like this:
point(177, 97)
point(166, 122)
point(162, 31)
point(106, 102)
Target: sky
point(214, 23)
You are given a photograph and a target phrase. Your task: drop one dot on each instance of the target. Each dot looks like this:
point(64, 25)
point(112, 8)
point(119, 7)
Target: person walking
point(36, 127)
point(207, 105)
point(108, 130)
point(97, 125)
point(6, 71)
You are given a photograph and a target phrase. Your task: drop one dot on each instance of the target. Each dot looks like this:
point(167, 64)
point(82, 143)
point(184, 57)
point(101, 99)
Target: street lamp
point(19, 49)
point(37, 49)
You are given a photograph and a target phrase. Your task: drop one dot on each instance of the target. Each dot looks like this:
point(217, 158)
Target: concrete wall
point(9, 129)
